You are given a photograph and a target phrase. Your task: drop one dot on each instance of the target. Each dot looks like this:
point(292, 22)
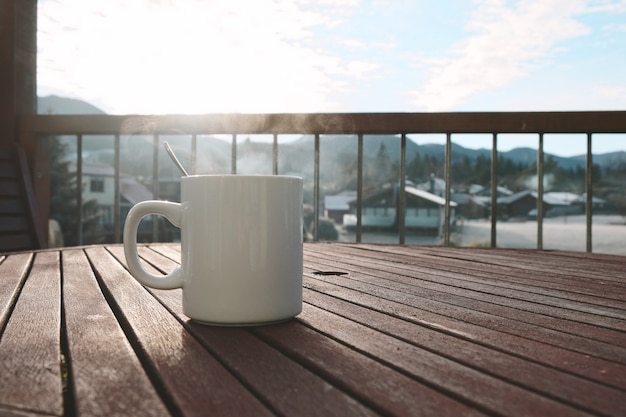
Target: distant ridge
point(63, 105)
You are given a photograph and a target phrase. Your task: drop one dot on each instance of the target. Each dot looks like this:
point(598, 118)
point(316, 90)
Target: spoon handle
point(175, 159)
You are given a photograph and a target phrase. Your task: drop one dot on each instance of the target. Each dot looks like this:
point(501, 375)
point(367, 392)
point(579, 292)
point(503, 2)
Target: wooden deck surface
point(385, 330)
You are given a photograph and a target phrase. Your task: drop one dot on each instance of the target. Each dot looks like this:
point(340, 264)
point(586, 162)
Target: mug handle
point(173, 213)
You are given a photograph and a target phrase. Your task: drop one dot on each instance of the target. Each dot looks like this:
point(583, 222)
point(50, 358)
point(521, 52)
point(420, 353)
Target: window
point(96, 185)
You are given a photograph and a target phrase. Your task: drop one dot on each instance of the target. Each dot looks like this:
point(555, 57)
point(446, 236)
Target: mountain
point(372, 143)
point(63, 105)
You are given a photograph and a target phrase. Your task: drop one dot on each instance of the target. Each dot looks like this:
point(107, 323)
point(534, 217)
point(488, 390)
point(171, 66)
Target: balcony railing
point(399, 125)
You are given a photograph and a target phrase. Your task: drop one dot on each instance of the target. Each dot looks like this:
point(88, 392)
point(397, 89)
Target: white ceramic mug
point(241, 247)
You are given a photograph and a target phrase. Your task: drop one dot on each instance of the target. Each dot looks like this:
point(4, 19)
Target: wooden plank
point(289, 388)
point(511, 277)
point(476, 388)
point(12, 412)
point(489, 330)
point(331, 123)
point(370, 381)
point(106, 375)
point(13, 224)
point(526, 374)
point(169, 251)
point(438, 288)
point(196, 383)
point(9, 188)
point(30, 353)
point(538, 273)
point(546, 263)
point(13, 271)
point(576, 275)
point(8, 169)
point(554, 306)
point(11, 206)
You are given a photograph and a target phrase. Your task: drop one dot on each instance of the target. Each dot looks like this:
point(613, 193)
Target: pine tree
point(63, 197)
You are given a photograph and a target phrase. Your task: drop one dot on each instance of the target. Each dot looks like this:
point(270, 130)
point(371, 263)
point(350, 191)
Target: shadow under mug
point(241, 247)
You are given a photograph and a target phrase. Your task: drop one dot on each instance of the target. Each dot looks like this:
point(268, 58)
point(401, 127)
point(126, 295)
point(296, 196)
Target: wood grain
point(30, 355)
point(196, 382)
point(13, 270)
point(402, 331)
point(288, 387)
point(106, 375)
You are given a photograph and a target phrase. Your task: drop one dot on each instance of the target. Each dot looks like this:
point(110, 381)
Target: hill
point(63, 105)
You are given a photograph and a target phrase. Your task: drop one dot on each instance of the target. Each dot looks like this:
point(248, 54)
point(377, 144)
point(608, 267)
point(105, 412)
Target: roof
point(428, 196)
point(340, 201)
point(410, 190)
point(134, 191)
point(554, 198)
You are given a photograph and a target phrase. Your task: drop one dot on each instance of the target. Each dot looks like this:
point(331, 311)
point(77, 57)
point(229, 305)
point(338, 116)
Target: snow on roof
point(429, 196)
point(339, 201)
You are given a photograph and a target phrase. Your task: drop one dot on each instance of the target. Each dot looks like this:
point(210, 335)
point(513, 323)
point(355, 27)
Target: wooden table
point(385, 330)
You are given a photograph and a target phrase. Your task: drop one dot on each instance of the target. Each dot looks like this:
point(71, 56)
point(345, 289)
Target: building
point(523, 205)
point(98, 184)
point(424, 210)
point(336, 206)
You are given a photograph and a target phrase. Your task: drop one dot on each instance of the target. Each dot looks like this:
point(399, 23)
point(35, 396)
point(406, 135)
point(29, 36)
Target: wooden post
point(18, 81)
point(18, 67)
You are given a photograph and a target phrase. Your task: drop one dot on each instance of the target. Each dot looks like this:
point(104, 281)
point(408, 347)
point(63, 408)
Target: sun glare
point(187, 56)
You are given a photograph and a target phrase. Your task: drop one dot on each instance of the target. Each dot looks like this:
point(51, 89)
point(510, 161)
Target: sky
point(266, 56)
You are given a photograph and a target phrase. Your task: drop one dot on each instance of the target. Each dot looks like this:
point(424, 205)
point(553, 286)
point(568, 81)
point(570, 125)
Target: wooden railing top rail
point(331, 123)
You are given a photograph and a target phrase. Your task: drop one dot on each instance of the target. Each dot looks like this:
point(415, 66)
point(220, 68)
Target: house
point(434, 185)
point(480, 191)
point(98, 181)
point(524, 205)
point(470, 206)
point(424, 210)
point(336, 206)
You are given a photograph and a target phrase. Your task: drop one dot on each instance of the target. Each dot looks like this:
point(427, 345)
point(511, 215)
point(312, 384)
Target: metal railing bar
point(79, 187)
point(316, 188)
point(116, 191)
point(359, 187)
point(155, 183)
point(447, 169)
point(194, 154)
point(275, 155)
point(540, 174)
point(494, 190)
point(402, 198)
point(589, 191)
point(233, 155)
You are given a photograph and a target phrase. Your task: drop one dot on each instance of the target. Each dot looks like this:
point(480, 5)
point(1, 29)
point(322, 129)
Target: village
point(564, 217)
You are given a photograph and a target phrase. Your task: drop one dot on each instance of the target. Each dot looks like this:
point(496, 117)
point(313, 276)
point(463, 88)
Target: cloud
point(612, 91)
point(611, 6)
point(508, 43)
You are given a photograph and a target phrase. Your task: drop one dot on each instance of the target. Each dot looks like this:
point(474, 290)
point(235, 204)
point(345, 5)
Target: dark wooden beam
point(331, 123)
point(18, 66)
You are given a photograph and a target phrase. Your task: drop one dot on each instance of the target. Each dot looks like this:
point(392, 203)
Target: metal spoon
point(170, 152)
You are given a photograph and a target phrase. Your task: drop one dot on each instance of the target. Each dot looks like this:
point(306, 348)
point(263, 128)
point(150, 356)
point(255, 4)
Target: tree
point(64, 201)
point(381, 170)
point(63, 197)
